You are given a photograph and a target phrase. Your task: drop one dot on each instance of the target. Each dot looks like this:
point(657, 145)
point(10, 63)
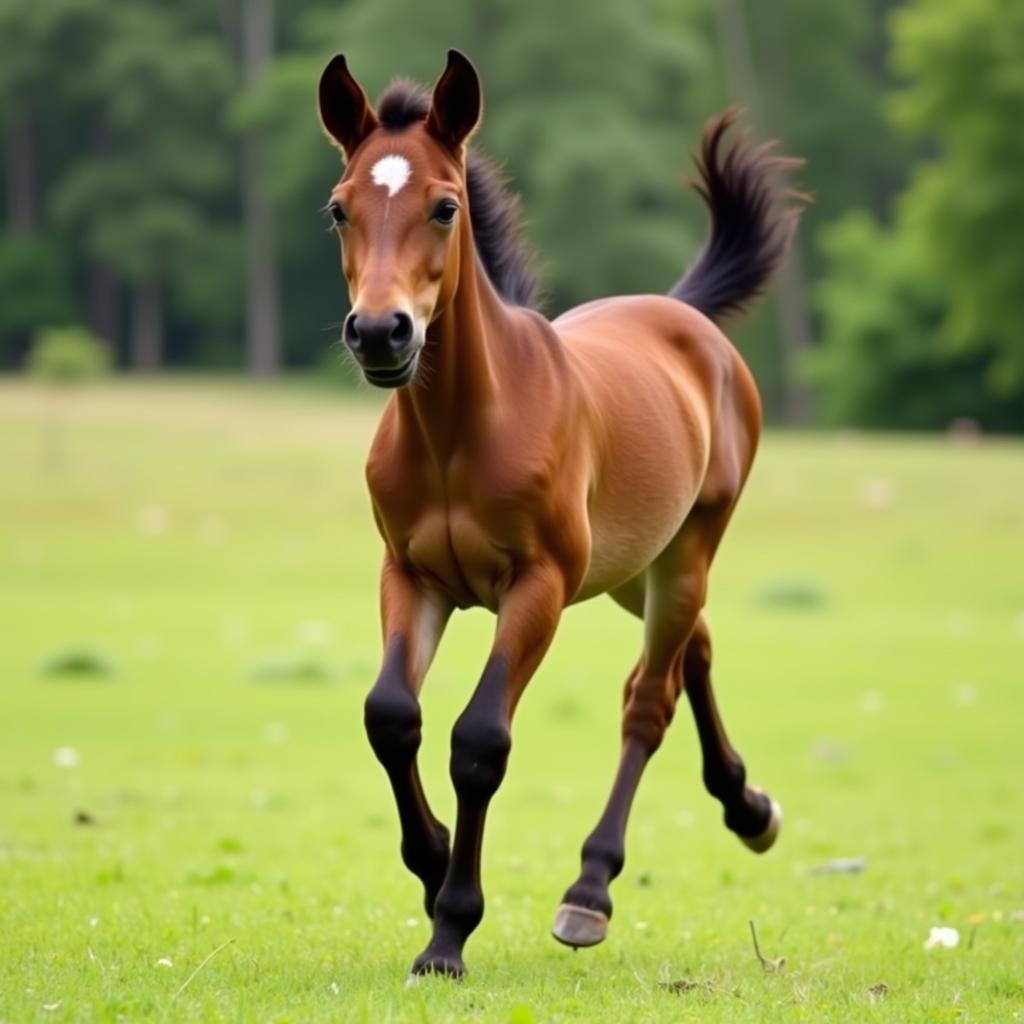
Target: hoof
point(766, 840)
point(450, 966)
point(579, 926)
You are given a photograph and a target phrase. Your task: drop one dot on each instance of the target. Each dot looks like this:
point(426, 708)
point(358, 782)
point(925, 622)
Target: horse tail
point(752, 224)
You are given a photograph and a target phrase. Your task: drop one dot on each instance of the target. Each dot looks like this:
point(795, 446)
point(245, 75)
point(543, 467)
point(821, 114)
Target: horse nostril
point(351, 331)
point(401, 333)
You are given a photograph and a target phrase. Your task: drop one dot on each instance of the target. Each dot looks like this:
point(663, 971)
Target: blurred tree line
point(164, 174)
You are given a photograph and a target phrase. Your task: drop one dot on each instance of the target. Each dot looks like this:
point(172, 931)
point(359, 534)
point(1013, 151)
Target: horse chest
point(450, 548)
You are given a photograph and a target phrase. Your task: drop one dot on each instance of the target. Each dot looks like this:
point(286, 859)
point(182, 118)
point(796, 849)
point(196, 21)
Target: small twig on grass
point(209, 957)
point(771, 966)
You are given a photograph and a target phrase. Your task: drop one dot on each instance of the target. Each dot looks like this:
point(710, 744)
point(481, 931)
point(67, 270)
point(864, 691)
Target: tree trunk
point(21, 175)
point(104, 305)
point(147, 326)
point(794, 323)
point(263, 329)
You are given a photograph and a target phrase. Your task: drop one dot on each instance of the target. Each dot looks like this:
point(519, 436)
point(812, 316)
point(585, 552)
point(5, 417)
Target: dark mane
point(494, 211)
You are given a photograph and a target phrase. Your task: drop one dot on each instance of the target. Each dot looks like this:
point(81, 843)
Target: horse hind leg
point(749, 812)
point(671, 605)
point(674, 595)
point(586, 909)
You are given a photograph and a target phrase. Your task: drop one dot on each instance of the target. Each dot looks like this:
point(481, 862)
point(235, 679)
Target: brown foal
point(524, 465)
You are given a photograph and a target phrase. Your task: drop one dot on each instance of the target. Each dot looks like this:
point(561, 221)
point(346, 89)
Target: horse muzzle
point(387, 348)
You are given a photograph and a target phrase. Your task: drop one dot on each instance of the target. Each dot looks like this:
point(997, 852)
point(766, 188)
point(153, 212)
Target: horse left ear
point(457, 102)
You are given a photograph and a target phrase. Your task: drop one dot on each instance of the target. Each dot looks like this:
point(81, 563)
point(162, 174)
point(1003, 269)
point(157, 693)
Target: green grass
point(204, 556)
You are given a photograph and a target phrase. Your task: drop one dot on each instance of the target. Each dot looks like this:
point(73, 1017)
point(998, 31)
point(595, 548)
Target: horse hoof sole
point(579, 926)
point(766, 840)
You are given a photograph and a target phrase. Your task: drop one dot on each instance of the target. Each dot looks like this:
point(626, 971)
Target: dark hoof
point(446, 965)
point(765, 840)
point(579, 926)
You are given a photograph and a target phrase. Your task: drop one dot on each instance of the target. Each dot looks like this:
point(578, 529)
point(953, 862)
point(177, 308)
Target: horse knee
point(480, 749)
point(393, 723)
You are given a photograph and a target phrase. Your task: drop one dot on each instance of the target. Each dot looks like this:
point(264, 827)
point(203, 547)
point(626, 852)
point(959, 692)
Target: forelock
point(402, 103)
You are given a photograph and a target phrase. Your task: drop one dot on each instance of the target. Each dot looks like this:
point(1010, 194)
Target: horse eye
point(444, 212)
point(337, 213)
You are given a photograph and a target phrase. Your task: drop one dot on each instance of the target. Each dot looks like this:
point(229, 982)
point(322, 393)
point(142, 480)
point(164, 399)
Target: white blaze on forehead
point(392, 172)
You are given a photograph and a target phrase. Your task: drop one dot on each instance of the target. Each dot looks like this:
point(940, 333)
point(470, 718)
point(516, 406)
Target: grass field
point(204, 555)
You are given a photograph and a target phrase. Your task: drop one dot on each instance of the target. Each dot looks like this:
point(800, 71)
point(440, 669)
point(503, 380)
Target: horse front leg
point(413, 621)
point(481, 740)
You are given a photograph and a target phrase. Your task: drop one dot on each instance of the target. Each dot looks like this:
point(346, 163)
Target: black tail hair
point(751, 224)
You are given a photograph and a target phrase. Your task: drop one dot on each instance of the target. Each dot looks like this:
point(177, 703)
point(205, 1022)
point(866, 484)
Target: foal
point(524, 465)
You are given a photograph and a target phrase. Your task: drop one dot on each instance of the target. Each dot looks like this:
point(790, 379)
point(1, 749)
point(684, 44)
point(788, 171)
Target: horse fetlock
point(726, 781)
point(458, 909)
point(607, 855)
point(761, 825)
point(429, 860)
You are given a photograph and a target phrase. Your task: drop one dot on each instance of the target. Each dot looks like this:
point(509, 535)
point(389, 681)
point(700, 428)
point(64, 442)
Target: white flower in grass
point(66, 757)
point(942, 938)
point(164, 961)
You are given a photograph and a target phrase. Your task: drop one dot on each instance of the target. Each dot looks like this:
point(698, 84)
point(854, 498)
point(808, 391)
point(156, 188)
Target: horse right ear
point(345, 111)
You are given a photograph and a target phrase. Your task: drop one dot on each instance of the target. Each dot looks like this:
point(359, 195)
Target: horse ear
point(457, 102)
point(345, 111)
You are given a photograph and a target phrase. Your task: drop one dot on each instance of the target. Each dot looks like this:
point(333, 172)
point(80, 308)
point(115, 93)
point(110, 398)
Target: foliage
point(923, 318)
point(38, 42)
point(68, 355)
point(133, 117)
point(137, 197)
point(35, 288)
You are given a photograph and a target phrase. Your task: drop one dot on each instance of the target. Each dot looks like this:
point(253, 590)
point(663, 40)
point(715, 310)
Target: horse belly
point(648, 480)
point(627, 536)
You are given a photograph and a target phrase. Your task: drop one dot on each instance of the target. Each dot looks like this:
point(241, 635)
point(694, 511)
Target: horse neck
point(465, 370)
